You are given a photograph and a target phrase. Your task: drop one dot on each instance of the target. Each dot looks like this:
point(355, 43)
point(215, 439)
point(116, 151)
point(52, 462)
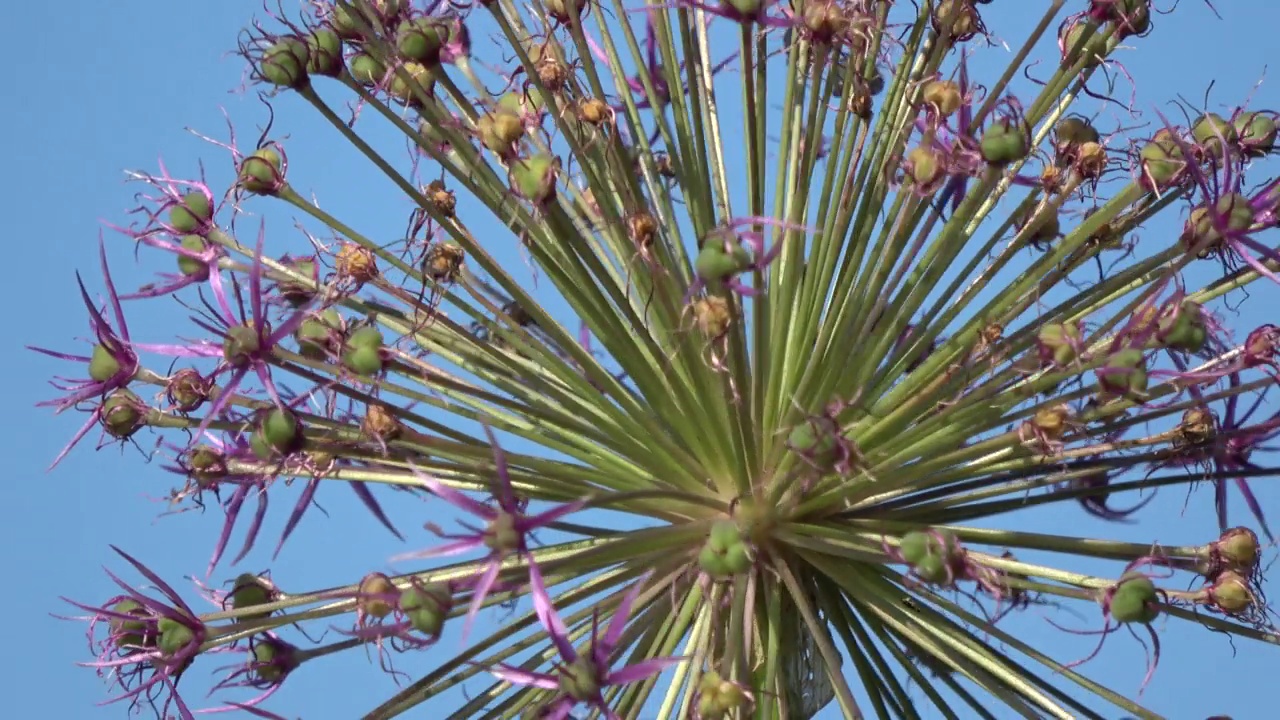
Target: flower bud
point(1204, 228)
point(103, 364)
point(285, 63)
point(500, 130)
point(319, 336)
point(933, 555)
point(205, 464)
point(725, 553)
point(1238, 548)
point(174, 636)
point(131, 634)
point(1134, 600)
point(192, 213)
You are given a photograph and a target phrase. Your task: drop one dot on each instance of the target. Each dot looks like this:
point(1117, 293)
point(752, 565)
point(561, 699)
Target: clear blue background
point(95, 88)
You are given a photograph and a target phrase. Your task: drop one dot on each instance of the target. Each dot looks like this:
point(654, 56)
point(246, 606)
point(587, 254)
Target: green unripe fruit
point(174, 636)
point(279, 431)
point(915, 546)
point(262, 172)
point(366, 69)
point(1135, 600)
point(190, 266)
point(712, 563)
point(103, 364)
point(1003, 143)
point(1257, 132)
point(1124, 373)
point(324, 53)
point(316, 336)
point(427, 607)
point(1083, 41)
point(1075, 131)
point(1184, 329)
point(1238, 548)
point(191, 213)
point(931, 569)
point(123, 414)
point(131, 633)
point(241, 346)
point(818, 439)
point(363, 360)
point(271, 661)
point(250, 591)
point(1231, 593)
point(421, 39)
point(368, 336)
point(499, 130)
point(1058, 342)
point(724, 535)
point(715, 264)
point(1213, 132)
point(737, 559)
point(1162, 159)
point(285, 63)
point(580, 679)
point(534, 178)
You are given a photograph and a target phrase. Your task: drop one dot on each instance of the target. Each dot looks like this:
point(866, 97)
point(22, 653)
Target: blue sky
point(97, 88)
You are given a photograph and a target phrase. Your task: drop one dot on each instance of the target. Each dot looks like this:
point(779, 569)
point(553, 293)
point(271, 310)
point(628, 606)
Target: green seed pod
point(319, 336)
point(427, 607)
point(1257, 132)
point(262, 172)
point(1238, 548)
point(1184, 329)
point(174, 636)
point(375, 594)
point(1232, 210)
point(187, 390)
point(192, 213)
point(421, 39)
point(523, 103)
point(932, 569)
point(366, 69)
point(712, 563)
point(923, 166)
point(1132, 17)
point(103, 364)
point(272, 660)
point(1083, 40)
point(1074, 131)
point(1124, 373)
point(818, 440)
point(1214, 133)
point(205, 464)
point(131, 634)
point(405, 90)
point(240, 346)
point(367, 361)
point(324, 53)
point(279, 431)
point(251, 591)
point(561, 10)
point(1162, 159)
point(724, 535)
point(123, 414)
point(1057, 343)
point(1004, 142)
point(943, 96)
point(1230, 593)
point(1040, 226)
point(502, 536)
point(368, 336)
point(285, 63)
point(737, 559)
point(500, 130)
point(915, 546)
point(190, 266)
point(534, 178)
point(1135, 600)
point(748, 9)
point(715, 264)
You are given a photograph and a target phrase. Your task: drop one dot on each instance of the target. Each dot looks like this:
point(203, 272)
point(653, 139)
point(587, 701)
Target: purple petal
point(453, 497)
point(620, 616)
point(546, 613)
point(525, 523)
point(483, 586)
point(642, 670)
point(523, 677)
point(366, 496)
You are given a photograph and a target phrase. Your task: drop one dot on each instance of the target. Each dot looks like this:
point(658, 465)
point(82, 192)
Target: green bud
point(1085, 41)
point(427, 607)
point(748, 9)
point(285, 63)
point(818, 439)
point(1124, 373)
point(1211, 131)
point(1184, 329)
point(103, 364)
point(405, 91)
point(1162, 159)
point(1238, 548)
point(272, 660)
point(499, 130)
point(365, 361)
point(318, 336)
point(931, 569)
point(724, 535)
point(262, 172)
point(1075, 131)
point(1058, 342)
point(191, 213)
point(1230, 593)
point(915, 545)
point(368, 336)
point(923, 166)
